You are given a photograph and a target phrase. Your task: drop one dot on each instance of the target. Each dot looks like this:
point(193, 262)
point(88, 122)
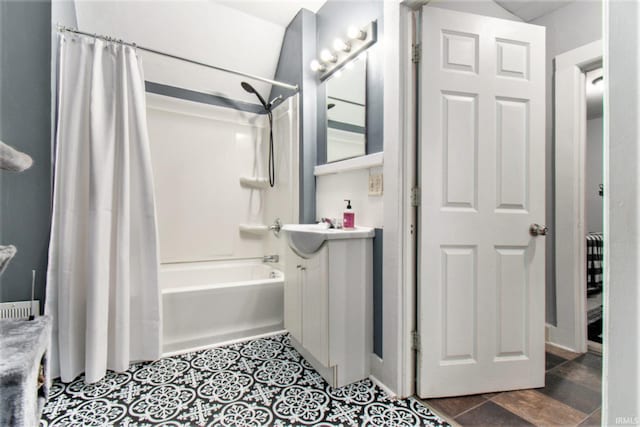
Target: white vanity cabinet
point(328, 304)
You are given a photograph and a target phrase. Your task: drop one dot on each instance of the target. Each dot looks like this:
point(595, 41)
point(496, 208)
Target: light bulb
point(317, 66)
point(327, 56)
point(356, 33)
point(339, 44)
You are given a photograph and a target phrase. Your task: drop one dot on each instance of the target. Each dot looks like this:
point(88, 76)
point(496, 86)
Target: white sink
point(306, 239)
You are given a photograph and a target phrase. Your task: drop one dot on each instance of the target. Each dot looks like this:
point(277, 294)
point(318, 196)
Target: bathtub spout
point(271, 258)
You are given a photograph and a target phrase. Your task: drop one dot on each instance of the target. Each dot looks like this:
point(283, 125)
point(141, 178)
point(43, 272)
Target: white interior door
point(481, 272)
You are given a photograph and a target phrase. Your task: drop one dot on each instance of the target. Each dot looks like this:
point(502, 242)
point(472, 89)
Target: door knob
point(538, 230)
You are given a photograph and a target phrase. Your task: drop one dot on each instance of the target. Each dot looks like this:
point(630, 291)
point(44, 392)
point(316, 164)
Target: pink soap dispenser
point(348, 217)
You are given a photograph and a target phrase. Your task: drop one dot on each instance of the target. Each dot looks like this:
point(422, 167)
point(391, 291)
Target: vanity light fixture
point(327, 56)
point(356, 33)
point(345, 51)
point(341, 45)
point(317, 66)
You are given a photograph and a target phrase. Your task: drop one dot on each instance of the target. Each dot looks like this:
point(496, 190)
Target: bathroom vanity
point(328, 299)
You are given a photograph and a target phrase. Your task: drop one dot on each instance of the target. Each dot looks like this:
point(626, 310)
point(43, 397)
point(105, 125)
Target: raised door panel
point(459, 305)
point(512, 154)
point(460, 149)
point(512, 305)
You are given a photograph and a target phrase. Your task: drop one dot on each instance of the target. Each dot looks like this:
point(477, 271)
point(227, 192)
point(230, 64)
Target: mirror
point(346, 111)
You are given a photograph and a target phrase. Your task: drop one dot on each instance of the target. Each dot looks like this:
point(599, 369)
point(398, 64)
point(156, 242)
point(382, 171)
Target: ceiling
point(279, 12)
point(202, 30)
point(528, 10)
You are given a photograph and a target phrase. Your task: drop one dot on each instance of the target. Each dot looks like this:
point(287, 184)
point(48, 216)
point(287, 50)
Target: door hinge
point(416, 53)
point(415, 197)
point(415, 341)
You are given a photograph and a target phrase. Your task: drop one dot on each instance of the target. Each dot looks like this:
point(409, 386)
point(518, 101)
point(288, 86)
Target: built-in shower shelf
point(257, 229)
point(254, 182)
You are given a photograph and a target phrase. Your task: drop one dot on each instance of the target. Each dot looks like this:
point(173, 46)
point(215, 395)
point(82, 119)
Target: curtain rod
point(62, 28)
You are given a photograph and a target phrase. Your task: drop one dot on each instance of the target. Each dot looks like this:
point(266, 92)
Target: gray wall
point(305, 36)
point(594, 174)
point(297, 51)
point(25, 123)
point(333, 19)
point(569, 27)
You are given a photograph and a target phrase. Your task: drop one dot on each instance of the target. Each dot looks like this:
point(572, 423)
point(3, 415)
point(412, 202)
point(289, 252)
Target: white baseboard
point(384, 388)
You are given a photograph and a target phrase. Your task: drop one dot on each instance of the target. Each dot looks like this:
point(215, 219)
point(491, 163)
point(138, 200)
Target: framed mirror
point(346, 105)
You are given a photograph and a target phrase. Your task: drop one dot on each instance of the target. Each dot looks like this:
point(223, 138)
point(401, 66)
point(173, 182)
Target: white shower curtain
point(102, 280)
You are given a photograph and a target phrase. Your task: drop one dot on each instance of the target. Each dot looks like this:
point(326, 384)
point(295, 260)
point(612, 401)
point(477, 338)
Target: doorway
point(578, 203)
point(594, 193)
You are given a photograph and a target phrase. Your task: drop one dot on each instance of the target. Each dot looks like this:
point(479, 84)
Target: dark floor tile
point(490, 414)
point(579, 397)
point(594, 420)
point(454, 406)
point(539, 409)
point(551, 360)
point(580, 373)
point(591, 360)
point(490, 395)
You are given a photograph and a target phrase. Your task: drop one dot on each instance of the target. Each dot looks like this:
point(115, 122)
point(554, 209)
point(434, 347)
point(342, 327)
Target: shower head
point(246, 86)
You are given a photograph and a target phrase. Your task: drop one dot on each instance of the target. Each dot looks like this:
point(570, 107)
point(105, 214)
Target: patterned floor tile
point(263, 382)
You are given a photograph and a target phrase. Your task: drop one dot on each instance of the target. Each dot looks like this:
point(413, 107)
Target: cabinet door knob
point(303, 268)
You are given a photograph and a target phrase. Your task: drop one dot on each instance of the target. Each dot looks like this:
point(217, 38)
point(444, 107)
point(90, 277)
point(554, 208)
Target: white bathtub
point(209, 303)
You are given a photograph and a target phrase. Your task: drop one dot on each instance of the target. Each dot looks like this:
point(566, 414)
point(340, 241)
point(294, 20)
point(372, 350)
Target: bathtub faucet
point(271, 258)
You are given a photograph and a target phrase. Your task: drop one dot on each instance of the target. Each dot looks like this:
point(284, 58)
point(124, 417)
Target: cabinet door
point(293, 295)
point(315, 310)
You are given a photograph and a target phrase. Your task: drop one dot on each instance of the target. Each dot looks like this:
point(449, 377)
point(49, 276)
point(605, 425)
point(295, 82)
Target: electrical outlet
point(375, 184)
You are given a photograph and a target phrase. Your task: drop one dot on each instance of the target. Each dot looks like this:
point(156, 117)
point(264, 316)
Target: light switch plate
point(375, 184)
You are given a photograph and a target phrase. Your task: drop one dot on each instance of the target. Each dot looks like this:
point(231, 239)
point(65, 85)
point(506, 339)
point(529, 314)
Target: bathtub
point(210, 303)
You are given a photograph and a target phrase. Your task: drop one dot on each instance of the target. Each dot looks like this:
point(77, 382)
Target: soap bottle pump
point(348, 217)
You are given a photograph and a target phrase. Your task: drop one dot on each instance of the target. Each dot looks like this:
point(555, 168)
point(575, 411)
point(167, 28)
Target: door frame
point(570, 122)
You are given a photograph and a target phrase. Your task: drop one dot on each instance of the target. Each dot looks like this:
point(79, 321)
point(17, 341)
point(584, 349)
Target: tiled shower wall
point(199, 152)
